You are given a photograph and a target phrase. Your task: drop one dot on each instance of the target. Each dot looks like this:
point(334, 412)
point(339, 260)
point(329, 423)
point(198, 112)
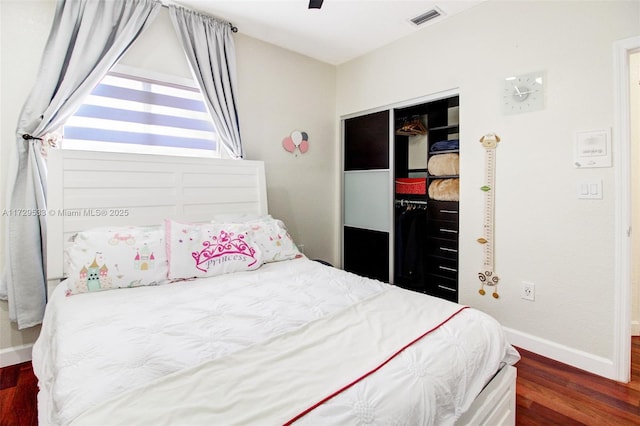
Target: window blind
point(134, 113)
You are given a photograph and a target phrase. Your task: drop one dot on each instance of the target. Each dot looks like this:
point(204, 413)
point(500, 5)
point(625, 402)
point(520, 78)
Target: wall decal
point(296, 139)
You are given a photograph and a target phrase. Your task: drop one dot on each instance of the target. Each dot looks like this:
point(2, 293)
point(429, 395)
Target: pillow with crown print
point(116, 257)
point(209, 249)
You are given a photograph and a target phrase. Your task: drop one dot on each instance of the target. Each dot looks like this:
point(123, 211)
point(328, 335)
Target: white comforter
point(95, 346)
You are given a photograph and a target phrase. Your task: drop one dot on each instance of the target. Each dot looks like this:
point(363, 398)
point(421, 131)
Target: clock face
point(523, 93)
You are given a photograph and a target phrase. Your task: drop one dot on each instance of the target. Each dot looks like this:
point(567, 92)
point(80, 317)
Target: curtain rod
point(234, 29)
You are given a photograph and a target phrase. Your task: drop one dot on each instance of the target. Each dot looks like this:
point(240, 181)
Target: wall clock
point(523, 93)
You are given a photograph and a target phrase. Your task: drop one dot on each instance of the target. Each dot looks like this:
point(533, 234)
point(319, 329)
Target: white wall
point(544, 234)
point(144, 53)
point(279, 91)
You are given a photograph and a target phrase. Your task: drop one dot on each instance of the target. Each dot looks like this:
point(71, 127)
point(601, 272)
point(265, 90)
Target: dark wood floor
point(552, 393)
point(548, 393)
point(18, 390)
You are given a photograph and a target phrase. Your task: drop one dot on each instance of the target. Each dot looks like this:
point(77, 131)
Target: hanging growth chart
point(488, 276)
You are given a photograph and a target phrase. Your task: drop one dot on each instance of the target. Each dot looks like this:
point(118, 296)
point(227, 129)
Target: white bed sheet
point(95, 346)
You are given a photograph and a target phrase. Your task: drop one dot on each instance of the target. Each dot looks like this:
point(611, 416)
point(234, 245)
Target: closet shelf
point(447, 151)
point(431, 176)
point(443, 176)
point(450, 127)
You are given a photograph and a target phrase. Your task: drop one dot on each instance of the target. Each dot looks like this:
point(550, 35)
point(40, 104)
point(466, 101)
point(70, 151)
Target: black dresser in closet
point(442, 252)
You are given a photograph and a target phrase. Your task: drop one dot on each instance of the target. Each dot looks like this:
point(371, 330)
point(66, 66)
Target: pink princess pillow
point(209, 249)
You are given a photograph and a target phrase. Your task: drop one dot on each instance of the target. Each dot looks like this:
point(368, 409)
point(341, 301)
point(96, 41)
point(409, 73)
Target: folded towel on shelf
point(445, 145)
point(444, 164)
point(445, 189)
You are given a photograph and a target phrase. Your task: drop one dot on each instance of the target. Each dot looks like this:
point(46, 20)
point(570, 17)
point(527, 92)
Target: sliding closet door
point(366, 195)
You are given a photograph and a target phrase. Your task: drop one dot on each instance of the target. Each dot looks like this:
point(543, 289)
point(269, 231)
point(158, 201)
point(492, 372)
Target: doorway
point(623, 51)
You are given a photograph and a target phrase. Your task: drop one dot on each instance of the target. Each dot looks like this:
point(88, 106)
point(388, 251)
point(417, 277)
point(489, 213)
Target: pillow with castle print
point(274, 240)
point(118, 257)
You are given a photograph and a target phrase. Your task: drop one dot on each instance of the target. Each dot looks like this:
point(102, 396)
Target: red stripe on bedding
point(398, 352)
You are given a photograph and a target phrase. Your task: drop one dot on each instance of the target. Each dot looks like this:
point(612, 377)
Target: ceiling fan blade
point(315, 4)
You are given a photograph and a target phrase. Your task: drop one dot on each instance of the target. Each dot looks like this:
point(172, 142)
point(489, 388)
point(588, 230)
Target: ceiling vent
point(427, 16)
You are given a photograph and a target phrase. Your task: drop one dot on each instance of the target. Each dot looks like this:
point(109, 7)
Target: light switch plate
point(590, 189)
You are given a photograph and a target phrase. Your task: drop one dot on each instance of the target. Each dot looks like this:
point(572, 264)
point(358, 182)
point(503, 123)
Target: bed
point(284, 340)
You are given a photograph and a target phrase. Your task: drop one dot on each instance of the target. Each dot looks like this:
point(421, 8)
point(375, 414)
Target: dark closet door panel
point(366, 253)
point(366, 142)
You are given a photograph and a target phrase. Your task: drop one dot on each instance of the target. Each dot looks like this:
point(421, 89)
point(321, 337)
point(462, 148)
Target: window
point(137, 111)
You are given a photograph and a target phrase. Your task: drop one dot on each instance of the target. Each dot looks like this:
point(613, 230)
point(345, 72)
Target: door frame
point(622, 145)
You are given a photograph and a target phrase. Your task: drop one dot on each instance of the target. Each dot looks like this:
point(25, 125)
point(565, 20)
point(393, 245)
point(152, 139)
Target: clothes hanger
point(412, 128)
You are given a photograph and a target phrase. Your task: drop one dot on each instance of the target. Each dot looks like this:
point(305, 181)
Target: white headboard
point(91, 189)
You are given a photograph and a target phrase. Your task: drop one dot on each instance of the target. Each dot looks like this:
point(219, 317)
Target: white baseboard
point(15, 355)
point(585, 361)
point(635, 328)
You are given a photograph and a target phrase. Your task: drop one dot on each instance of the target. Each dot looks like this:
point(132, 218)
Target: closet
point(401, 195)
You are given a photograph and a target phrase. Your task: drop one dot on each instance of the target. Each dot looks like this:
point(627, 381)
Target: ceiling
point(338, 32)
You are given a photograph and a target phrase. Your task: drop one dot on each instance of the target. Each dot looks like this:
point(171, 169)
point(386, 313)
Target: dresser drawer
point(442, 287)
point(447, 268)
point(443, 210)
point(442, 229)
point(441, 247)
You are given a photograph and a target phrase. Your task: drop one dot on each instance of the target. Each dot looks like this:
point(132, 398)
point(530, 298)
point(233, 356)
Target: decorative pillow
point(106, 258)
point(274, 240)
point(209, 249)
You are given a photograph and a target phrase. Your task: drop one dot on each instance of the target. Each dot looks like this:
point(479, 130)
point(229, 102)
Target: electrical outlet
point(528, 291)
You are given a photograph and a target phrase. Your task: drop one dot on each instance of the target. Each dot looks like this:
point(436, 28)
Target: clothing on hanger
point(410, 266)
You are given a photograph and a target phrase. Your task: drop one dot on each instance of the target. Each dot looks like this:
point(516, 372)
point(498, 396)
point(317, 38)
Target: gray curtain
point(86, 39)
point(210, 50)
